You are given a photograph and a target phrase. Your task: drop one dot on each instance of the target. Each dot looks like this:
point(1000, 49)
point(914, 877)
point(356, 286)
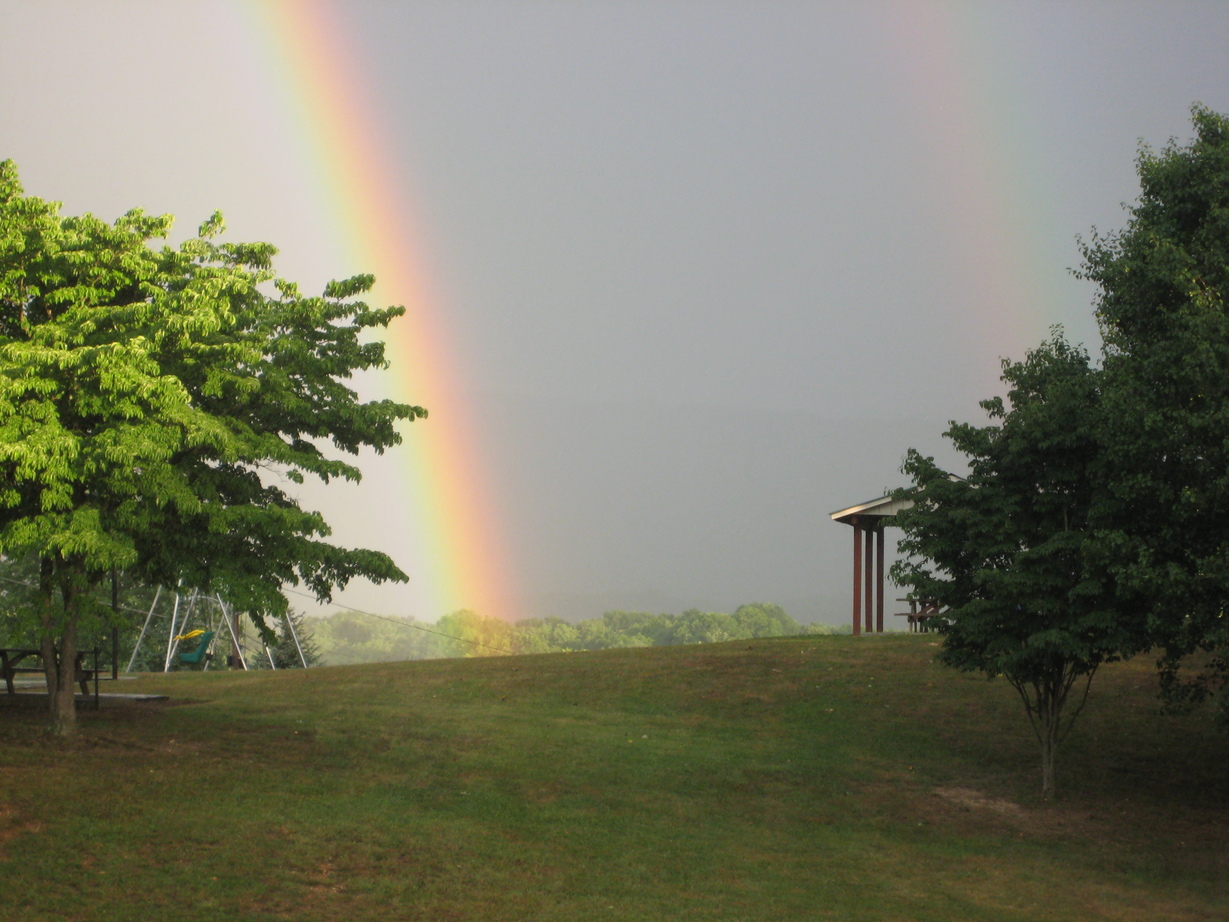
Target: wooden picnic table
point(920, 611)
point(10, 657)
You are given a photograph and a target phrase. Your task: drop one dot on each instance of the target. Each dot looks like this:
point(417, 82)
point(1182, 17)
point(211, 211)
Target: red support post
point(869, 575)
point(879, 579)
point(857, 579)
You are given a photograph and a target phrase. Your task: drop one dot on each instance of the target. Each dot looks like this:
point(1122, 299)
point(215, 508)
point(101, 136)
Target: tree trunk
point(59, 659)
point(1051, 698)
point(48, 648)
point(1044, 701)
point(1049, 783)
point(64, 708)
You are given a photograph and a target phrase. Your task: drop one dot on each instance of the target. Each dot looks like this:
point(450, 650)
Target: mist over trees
point(355, 637)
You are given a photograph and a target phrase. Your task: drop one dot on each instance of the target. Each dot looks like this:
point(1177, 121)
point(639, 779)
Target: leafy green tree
point(18, 596)
point(150, 402)
point(1163, 282)
point(763, 619)
point(354, 637)
point(473, 634)
point(640, 628)
point(1009, 551)
point(544, 635)
point(597, 634)
point(285, 650)
point(695, 626)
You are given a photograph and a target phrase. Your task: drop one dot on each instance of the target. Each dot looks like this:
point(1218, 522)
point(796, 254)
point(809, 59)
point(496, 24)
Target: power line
point(107, 605)
point(417, 627)
point(357, 611)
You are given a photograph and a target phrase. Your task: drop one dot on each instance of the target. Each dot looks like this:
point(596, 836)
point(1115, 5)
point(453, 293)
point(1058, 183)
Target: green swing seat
point(197, 655)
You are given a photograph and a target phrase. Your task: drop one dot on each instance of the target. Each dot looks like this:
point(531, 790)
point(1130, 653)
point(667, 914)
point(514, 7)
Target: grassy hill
point(803, 778)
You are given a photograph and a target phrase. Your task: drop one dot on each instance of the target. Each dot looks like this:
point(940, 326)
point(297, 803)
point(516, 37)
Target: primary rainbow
point(454, 536)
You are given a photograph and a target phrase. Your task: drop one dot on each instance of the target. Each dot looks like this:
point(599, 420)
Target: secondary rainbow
point(972, 132)
point(455, 540)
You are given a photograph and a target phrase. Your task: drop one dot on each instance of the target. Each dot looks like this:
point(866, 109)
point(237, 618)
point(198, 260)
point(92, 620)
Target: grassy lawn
point(803, 778)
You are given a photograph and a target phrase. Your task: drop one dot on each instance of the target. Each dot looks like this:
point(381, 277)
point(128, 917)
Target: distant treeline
point(354, 637)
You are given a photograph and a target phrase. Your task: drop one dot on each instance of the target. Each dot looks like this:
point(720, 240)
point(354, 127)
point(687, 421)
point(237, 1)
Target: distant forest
point(146, 619)
point(355, 637)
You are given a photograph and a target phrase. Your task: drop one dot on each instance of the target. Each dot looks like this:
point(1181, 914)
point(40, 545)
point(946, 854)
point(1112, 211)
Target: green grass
point(803, 778)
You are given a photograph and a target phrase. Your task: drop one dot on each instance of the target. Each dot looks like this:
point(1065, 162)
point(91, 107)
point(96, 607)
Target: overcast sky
point(709, 268)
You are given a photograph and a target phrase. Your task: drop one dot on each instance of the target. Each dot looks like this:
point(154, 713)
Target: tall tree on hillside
point(763, 619)
point(1007, 551)
point(467, 633)
point(1163, 282)
point(153, 401)
point(295, 646)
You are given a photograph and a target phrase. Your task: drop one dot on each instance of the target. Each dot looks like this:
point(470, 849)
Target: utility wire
point(357, 611)
point(30, 585)
point(417, 627)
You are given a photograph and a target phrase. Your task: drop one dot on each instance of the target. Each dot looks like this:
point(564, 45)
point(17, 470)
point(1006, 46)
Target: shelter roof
point(885, 507)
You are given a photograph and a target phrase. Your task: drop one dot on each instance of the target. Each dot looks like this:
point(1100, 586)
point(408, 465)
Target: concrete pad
point(39, 699)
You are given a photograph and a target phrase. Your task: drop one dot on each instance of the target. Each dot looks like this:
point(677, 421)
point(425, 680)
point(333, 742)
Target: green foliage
point(152, 399)
point(288, 643)
point(1094, 522)
point(1010, 553)
point(351, 637)
point(1163, 282)
point(18, 599)
point(763, 619)
point(20, 626)
point(546, 635)
point(471, 634)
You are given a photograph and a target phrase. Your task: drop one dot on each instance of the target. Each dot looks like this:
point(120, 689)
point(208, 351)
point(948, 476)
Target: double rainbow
point(963, 132)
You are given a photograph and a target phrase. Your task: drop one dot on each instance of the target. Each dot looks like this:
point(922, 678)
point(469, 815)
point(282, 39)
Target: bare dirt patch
point(975, 800)
point(12, 826)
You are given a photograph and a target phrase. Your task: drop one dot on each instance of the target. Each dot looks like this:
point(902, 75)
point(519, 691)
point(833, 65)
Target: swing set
point(217, 616)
